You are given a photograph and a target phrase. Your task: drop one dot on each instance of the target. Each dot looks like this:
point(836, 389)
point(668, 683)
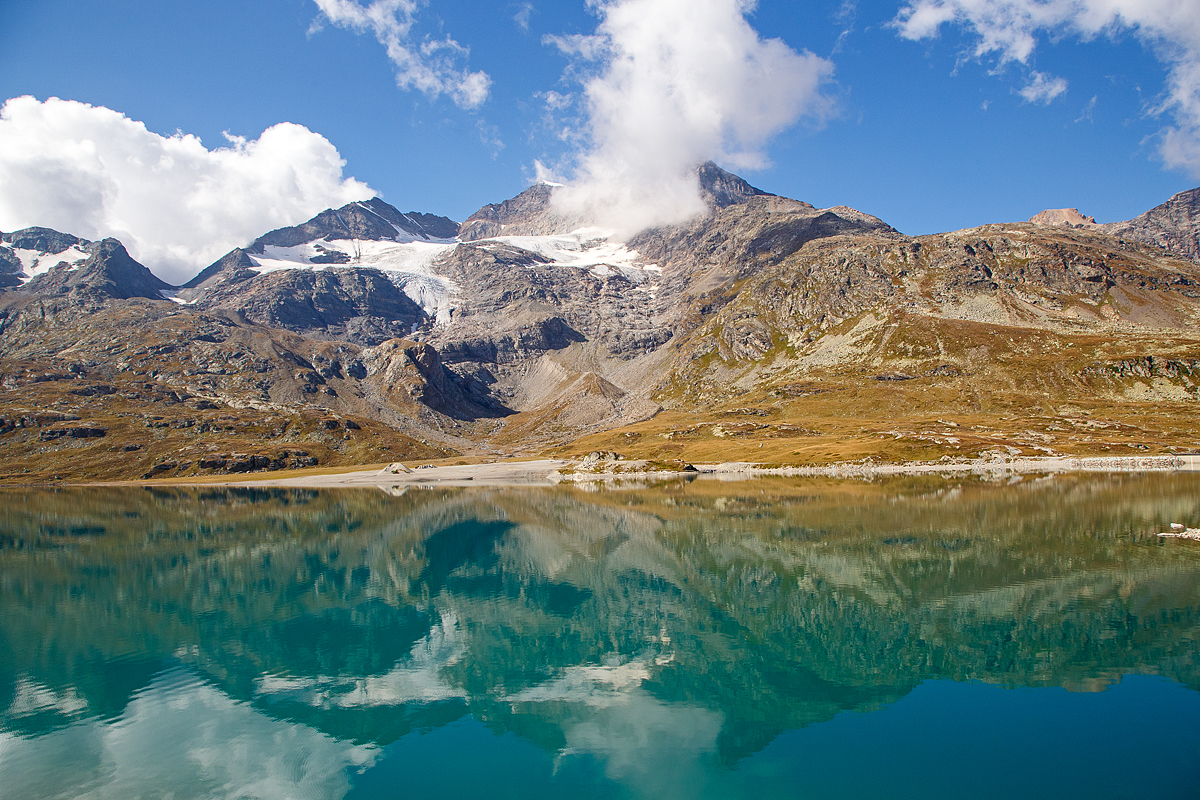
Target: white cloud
point(177, 206)
point(1043, 88)
point(1009, 29)
point(429, 65)
point(673, 83)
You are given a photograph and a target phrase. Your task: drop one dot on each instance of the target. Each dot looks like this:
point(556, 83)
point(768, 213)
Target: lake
point(907, 637)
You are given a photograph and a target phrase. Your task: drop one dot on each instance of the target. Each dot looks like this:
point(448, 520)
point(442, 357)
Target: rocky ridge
point(1173, 225)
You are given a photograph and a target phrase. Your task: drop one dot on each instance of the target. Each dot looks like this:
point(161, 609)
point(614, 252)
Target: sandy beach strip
point(546, 472)
point(505, 473)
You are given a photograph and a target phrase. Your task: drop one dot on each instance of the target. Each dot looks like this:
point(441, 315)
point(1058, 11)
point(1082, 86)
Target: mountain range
point(765, 330)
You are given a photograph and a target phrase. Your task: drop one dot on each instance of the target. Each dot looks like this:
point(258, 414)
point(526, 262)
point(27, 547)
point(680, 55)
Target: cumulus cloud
point(177, 206)
point(1043, 88)
point(428, 65)
point(1009, 29)
point(668, 85)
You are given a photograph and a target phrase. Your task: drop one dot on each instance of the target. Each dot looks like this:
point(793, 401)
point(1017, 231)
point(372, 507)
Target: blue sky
point(922, 133)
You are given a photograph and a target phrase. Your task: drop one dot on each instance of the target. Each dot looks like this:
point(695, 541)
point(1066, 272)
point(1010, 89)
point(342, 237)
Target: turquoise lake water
point(908, 638)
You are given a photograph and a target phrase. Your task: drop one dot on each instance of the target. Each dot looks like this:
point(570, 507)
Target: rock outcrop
point(1064, 217)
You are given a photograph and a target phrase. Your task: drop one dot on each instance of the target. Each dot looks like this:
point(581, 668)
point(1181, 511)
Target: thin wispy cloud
point(1086, 114)
point(846, 17)
point(177, 205)
point(1009, 30)
point(431, 66)
point(1043, 88)
point(523, 16)
point(667, 85)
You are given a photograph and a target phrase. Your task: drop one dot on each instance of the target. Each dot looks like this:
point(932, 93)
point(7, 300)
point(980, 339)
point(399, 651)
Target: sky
point(185, 128)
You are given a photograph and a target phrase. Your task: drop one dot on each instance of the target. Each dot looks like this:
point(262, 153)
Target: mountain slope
point(1173, 225)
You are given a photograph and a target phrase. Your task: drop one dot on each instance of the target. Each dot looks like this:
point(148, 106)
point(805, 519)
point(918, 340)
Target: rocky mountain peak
point(521, 215)
point(42, 240)
point(1063, 217)
point(372, 220)
point(29, 252)
point(107, 271)
point(722, 189)
point(531, 213)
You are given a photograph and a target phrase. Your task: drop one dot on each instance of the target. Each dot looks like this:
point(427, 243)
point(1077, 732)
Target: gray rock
point(357, 305)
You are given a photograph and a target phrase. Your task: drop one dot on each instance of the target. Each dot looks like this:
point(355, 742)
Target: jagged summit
point(374, 220)
point(26, 253)
point(722, 189)
point(531, 213)
point(527, 214)
point(767, 320)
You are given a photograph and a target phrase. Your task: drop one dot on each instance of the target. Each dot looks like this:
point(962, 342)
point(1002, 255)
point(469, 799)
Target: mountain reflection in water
point(274, 643)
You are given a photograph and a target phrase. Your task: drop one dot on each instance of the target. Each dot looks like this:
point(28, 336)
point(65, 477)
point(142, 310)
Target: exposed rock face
point(1065, 217)
point(528, 214)
point(516, 304)
point(741, 237)
point(42, 240)
point(43, 245)
point(360, 305)
point(1173, 226)
point(415, 370)
point(1006, 275)
point(235, 260)
point(373, 220)
point(314, 293)
point(721, 188)
point(531, 213)
point(10, 270)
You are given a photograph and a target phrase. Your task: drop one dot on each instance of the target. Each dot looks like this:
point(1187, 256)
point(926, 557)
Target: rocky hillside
point(764, 330)
point(1173, 226)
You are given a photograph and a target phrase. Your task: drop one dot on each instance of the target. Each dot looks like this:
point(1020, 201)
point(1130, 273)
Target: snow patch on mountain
point(407, 263)
point(173, 296)
point(585, 248)
point(35, 262)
